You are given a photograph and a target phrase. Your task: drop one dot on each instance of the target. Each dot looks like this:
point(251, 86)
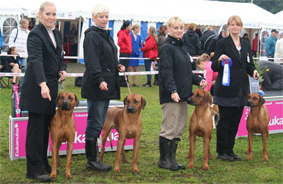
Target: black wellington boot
point(93, 162)
point(172, 155)
point(164, 160)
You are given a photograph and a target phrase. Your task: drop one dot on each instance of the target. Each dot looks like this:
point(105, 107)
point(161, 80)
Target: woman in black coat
point(231, 98)
point(40, 88)
point(175, 87)
point(13, 64)
point(100, 82)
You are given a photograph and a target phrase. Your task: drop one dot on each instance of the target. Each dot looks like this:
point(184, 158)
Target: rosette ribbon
point(227, 63)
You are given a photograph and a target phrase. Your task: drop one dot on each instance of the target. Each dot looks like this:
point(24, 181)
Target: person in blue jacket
point(136, 47)
point(270, 44)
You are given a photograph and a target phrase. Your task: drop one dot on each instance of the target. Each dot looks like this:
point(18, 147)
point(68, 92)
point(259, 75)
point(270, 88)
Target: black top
point(191, 43)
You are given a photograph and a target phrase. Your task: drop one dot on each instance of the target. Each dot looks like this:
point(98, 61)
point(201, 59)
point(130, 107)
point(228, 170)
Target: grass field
point(254, 171)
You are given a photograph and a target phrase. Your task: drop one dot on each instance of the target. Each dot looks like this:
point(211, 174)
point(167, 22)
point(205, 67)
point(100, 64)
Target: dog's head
point(67, 101)
point(200, 97)
point(255, 99)
point(134, 103)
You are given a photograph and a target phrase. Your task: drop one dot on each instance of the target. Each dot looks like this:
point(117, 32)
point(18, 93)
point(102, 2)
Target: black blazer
point(238, 71)
point(45, 62)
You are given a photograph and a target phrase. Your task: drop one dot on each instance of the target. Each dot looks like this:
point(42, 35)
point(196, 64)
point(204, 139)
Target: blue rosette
point(227, 63)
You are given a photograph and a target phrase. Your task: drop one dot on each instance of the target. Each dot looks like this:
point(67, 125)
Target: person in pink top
point(204, 63)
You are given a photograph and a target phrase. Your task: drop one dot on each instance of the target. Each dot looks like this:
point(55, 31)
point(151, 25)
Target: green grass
point(254, 171)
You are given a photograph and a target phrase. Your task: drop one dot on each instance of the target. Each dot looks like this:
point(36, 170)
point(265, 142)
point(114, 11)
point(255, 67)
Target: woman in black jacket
point(100, 82)
point(40, 88)
point(231, 96)
point(175, 87)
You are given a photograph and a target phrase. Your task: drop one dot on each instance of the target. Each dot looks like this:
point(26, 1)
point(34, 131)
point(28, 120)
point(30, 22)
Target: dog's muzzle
point(131, 109)
point(190, 101)
point(249, 103)
point(65, 105)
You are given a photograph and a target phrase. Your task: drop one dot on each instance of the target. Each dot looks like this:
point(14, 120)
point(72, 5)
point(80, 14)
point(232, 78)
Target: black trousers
point(227, 128)
point(124, 62)
point(37, 143)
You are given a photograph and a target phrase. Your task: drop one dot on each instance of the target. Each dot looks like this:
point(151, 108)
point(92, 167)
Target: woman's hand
point(203, 83)
point(255, 75)
point(121, 68)
point(222, 57)
point(45, 92)
point(63, 75)
point(103, 86)
point(175, 97)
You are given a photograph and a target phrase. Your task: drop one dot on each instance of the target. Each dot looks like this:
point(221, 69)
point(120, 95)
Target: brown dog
point(257, 122)
point(201, 124)
point(63, 129)
point(127, 121)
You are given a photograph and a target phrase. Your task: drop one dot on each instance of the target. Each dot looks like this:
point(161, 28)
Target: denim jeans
point(97, 111)
point(147, 64)
point(24, 64)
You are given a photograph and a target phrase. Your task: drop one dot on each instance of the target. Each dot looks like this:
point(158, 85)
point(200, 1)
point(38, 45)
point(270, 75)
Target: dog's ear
point(207, 98)
point(262, 100)
point(77, 101)
point(57, 99)
point(143, 102)
point(125, 100)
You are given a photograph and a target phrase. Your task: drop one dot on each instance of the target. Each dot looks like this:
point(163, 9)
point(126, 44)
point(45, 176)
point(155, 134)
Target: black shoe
point(98, 166)
point(225, 157)
point(146, 85)
point(236, 157)
point(41, 178)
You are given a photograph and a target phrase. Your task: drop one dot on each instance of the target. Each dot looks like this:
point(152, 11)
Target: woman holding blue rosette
point(233, 61)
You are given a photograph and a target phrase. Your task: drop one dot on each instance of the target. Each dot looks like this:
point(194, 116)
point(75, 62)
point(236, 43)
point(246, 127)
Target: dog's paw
point(205, 167)
point(136, 170)
point(249, 159)
point(69, 176)
point(191, 166)
point(52, 175)
point(265, 158)
point(117, 170)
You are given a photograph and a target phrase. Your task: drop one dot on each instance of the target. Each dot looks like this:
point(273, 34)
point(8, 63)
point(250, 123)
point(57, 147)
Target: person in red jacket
point(149, 51)
point(125, 44)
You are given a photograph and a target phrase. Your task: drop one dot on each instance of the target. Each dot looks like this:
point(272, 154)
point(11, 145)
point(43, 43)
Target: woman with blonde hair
point(18, 39)
point(149, 51)
point(175, 87)
point(40, 88)
point(136, 47)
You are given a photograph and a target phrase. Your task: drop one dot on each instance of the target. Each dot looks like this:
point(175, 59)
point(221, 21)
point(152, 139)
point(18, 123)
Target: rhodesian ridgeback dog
point(63, 129)
point(127, 121)
point(257, 122)
point(201, 124)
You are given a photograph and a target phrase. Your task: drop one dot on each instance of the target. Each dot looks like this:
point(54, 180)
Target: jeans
point(24, 64)
point(97, 111)
point(147, 64)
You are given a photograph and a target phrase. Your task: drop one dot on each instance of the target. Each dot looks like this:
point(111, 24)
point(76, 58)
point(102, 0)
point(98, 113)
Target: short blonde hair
point(174, 20)
point(136, 26)
point(237, 19)
point(98, 9)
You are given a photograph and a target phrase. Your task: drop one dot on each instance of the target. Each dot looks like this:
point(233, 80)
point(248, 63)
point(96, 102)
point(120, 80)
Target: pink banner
point(275, 109)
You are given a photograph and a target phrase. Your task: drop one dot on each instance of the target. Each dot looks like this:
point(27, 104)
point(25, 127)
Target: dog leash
point(127, 83)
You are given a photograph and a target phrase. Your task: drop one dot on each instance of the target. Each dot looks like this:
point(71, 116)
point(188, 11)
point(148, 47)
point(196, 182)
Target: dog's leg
point(123, 153)
point(206, 152)
point(135, 158)
point(250, 146)
point(54, 159)
point(118, 153)
point(58, 160)
point(264, 142)
point(209, 154)
point(69, 156)
point(104, 138)
point(191, 152)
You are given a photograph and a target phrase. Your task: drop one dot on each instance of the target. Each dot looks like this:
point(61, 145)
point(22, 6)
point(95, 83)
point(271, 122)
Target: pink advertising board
point(17, 137)
point(275, 109)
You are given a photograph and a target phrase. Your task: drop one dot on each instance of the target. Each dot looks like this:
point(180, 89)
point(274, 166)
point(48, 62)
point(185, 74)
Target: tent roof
point(280, 14)
point(213, 13)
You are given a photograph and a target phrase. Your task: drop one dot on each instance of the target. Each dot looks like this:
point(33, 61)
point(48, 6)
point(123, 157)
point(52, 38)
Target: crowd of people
point(42, 45)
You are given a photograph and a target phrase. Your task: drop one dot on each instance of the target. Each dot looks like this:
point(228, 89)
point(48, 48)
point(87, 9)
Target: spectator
point(204, 63)
point(149, 51)
point(192, 43)
point(73, 34)
point(246, 37)
point(230, 92)
point(30, 26)
point(13, 65)
point(255, 44)
point(136, 47)
point(125, 44)
point(279, 50)
point(18, 39)
point(272, 76)
point(100, 82)
point(270, 45)
point(224, 33)
point(162, 33)
point(175, 87)
point(40, 88)
point(205, 39)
